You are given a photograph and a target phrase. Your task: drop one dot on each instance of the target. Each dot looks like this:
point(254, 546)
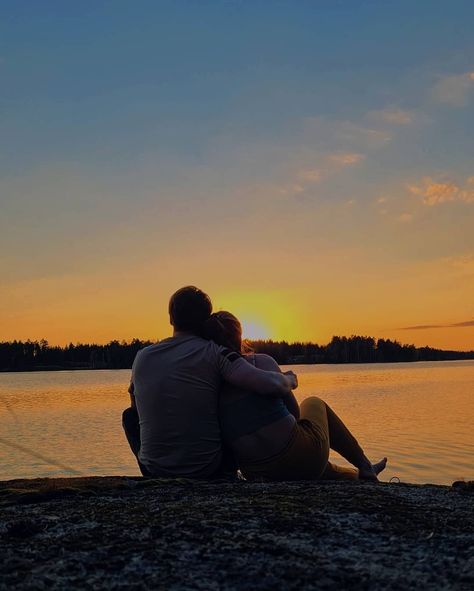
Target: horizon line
point(292, 342)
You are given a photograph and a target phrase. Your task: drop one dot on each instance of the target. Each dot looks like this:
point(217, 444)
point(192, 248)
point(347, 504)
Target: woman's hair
point(224, 329)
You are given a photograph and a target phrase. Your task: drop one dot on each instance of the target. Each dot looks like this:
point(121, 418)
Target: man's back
point(176, 391)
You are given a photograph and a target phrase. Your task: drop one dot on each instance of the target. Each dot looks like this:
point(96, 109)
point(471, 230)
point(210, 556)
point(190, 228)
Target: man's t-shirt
point(176, 384)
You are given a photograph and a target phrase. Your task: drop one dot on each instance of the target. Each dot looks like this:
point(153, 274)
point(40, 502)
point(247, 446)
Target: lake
point(420, 415)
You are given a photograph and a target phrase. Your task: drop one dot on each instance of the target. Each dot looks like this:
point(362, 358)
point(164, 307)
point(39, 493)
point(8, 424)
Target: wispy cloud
point(405, 218)
point(328, 165)
point(392, 116)
point(346, 158)
point(435, 192)
point(463, 264)
point(464, 324)
point(454, 90)
point(347, 134)
point(312, 175)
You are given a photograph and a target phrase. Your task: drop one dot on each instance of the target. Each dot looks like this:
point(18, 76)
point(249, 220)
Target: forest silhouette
point(40, 355)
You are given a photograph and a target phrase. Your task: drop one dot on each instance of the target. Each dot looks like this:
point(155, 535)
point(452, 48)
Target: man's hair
point(189, 308)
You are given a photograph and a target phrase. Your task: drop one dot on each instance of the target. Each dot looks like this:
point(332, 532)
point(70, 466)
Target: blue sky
point(109, 80)
point(133, 131)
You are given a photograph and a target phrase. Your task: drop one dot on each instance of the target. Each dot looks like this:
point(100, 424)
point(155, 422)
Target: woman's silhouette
point(272, 438)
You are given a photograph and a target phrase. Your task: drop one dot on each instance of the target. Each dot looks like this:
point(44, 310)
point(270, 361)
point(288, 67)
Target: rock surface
point(130, 533)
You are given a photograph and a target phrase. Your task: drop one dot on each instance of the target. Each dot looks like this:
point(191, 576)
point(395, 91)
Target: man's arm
point(131, 388)
point(131, 391)
point(240, 373)
point(248, 377)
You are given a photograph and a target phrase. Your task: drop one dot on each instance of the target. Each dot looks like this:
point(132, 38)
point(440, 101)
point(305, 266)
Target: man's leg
point(131, 426)
point(228, 468)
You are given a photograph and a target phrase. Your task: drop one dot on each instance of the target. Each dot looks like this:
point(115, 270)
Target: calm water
point(420, 415)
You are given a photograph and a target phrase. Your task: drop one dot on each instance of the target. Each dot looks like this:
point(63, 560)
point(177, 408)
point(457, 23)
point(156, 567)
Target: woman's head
point(224, 329)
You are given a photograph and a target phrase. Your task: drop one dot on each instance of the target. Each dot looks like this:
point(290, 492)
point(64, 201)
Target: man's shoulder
point(176, 342)
point(149, 348)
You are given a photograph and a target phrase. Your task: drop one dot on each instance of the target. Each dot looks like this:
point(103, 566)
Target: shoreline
point(60, 368)
point(109, 532)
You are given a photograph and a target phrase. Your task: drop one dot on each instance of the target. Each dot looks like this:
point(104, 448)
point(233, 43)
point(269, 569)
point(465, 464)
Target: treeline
point(354, 349)
point(39, 355)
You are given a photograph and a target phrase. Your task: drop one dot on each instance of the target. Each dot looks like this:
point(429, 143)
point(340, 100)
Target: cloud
point(329, 164)
point(405, 218)
point(347, 134)
point(435, 192)
point(463, 264)
point(311, 175)
point(454, 90)
point(392, 116)
point(464, 324)
point(422, 327)
point(363, 137)
point(346, 158)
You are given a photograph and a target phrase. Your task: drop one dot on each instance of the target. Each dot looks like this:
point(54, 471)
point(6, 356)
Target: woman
point(273, 438)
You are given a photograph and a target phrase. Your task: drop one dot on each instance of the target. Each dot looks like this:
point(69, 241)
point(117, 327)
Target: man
point(175, 387)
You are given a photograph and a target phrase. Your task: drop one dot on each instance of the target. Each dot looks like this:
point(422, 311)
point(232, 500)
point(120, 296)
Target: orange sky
point(309, 299)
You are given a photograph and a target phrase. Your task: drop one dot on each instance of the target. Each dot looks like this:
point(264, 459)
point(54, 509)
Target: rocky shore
point(130, 533)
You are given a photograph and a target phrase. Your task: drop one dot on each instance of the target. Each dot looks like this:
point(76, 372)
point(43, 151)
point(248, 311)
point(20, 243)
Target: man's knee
point(131, 426)
point(130, 418)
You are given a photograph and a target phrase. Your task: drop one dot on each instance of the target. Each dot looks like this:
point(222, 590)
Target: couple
point(201, 407)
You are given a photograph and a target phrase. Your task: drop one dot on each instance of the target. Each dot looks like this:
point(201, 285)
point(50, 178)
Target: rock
point(105, 534)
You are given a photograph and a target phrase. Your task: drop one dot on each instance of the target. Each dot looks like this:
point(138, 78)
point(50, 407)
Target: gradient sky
point(309, 164)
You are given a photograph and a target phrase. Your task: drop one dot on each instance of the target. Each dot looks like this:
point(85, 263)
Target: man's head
point(189, 308)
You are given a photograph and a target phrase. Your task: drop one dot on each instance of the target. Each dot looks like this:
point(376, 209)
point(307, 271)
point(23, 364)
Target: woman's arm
point(292, 405)
point(267, 363)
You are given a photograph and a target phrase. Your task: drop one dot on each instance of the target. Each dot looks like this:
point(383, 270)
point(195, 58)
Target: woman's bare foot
point(371, 471)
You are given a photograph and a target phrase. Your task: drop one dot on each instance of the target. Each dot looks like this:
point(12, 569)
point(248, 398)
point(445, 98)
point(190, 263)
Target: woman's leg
point(341, 440)
point(334, 472)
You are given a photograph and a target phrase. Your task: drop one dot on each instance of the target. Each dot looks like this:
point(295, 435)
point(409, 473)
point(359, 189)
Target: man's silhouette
point(175, 387)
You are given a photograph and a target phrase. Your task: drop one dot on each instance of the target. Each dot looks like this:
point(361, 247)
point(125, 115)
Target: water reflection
point(420, 415)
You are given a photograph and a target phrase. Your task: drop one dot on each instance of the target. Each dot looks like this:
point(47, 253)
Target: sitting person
point(173, 424)
point(272, 438)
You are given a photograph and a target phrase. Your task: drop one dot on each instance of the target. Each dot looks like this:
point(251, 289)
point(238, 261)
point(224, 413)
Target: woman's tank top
point(242, 412)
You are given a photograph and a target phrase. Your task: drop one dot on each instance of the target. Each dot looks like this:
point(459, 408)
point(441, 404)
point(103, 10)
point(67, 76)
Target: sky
point(309, 164)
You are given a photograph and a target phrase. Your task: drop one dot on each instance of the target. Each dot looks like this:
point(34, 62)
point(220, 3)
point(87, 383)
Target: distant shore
point(105, 533)
point(88, 368)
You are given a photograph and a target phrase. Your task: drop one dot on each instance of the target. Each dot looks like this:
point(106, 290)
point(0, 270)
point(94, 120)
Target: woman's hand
point(292, 379)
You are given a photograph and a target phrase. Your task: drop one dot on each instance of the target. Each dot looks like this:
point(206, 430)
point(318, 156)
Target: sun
point(254, 330)
point(264, 314)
